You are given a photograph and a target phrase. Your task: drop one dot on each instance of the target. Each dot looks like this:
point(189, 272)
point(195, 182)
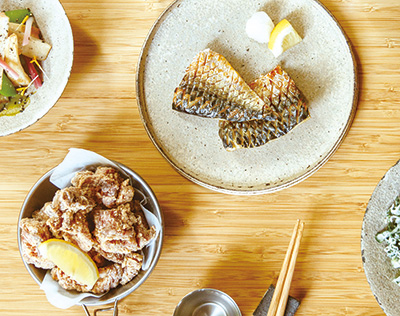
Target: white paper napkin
point(60, 297)
point(77, 160)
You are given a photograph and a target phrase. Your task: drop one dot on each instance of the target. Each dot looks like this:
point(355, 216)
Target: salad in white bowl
point(36, 54)
point(21, 51)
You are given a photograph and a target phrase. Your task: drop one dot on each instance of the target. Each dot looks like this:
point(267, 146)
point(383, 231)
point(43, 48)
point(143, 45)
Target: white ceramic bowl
point(43, 191)
point(56, 30)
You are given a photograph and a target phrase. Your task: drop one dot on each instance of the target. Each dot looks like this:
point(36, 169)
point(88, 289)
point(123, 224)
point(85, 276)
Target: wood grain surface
point(232, 243)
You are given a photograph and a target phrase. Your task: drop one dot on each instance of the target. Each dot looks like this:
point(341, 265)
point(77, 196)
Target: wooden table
point(232, 243)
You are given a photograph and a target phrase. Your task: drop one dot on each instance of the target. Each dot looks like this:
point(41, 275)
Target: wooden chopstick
point(281, 293)
point(288, 279)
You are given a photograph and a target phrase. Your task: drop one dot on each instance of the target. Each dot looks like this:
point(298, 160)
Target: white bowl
point(56, 30)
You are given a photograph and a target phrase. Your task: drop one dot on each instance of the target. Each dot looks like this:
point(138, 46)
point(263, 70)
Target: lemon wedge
point(71, 260)
point(283, 37)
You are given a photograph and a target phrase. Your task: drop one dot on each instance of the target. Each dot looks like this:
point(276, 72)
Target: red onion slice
point(28, 30)
point(11, 71)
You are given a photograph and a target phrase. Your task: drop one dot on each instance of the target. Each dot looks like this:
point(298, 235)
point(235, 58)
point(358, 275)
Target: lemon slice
point(283, 37)
point(71, 260)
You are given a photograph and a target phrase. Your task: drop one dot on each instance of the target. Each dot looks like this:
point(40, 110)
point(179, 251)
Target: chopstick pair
point(281, 293)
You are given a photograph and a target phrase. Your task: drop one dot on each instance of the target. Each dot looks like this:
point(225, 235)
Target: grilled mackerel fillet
point(280, 93)
point(212, 88)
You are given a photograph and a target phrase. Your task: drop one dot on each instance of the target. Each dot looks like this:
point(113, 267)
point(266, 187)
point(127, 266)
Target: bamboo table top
point(232, 243)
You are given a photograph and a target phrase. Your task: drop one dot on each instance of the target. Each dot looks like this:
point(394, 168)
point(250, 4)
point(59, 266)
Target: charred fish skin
point(212, 88)
point(249, 134)
point(277, 89)
point(287, 104)
point(191, 100)
point(296, 110)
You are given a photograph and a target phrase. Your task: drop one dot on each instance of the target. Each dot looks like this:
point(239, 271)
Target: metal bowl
point(43, 191)
point(207, 302)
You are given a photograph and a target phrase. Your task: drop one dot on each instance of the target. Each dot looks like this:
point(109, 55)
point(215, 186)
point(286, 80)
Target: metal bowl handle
point(114, 309)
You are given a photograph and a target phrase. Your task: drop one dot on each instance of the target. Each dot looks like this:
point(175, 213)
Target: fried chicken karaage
point(97, 213)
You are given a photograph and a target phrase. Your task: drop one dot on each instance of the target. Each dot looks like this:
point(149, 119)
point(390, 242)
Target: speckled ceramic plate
point(322, 66)
point(377, 266)
point(56, 31)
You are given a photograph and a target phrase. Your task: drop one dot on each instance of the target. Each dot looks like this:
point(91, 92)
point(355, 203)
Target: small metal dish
point(207, 302)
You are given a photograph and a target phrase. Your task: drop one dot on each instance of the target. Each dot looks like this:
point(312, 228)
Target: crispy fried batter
point(110, 277)
point(72, 227)
point(98, 259)
point(105, 185)
point(72, 199)
point(109, 256)
point(34, 232)
point(55, 223)
point(143, 235)
point(67, 282)
point(119, 230)
point(131, 266)
point(75, 229)
point(131, 263)
point(45, 212)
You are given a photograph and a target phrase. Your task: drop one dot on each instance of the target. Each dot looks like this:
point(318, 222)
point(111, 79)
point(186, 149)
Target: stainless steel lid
point(207, 302)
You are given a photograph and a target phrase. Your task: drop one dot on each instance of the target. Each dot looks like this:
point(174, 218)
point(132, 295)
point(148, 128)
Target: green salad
point(21, 51)
point(391, 236)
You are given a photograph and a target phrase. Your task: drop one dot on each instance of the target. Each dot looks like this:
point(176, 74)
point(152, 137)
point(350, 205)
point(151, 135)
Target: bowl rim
point(93, 301)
